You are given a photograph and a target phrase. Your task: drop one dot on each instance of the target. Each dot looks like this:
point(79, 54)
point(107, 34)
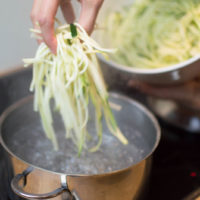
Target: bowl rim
point(144, 71)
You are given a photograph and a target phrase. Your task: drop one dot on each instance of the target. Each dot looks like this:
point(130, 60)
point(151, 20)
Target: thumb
point(89, 12)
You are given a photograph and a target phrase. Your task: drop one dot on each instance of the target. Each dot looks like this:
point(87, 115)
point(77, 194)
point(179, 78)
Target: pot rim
point(26, 99)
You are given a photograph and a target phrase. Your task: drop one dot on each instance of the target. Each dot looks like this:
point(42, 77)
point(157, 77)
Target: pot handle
point(19, 191)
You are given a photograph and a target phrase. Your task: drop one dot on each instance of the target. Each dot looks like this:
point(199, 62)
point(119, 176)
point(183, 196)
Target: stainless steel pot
point(38, 176)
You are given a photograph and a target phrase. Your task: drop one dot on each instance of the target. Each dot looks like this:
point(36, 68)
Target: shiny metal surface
point(178, 73)
point(23, 176)
point(127, 183)
point(167, 75)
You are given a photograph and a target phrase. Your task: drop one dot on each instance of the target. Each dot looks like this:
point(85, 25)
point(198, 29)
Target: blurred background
point(14, 33)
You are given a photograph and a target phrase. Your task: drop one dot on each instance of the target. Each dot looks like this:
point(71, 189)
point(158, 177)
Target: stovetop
point(175, 171)
point(176, 165)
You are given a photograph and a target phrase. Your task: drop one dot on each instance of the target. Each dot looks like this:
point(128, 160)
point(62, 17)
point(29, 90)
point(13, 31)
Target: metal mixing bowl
point(178, 73)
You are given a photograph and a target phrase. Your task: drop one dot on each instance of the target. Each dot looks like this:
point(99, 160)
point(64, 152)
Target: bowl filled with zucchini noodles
point(156, 41)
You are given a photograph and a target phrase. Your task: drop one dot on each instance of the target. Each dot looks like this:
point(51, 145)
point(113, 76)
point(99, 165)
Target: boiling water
point(38, 151)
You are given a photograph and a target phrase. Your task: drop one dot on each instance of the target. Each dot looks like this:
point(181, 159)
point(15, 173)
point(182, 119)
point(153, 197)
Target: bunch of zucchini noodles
point(72, 78)
point(154, 33)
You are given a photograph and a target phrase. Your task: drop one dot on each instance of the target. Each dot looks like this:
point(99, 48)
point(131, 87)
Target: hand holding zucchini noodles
point(72, 78)
point(154, 33)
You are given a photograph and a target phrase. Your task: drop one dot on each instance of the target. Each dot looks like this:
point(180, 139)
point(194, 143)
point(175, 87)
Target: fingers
point(89, 11)
point(46, 21)
point(147, 89)
point(165, 92)
point(186, 93)
point(67, 11)
point(44, 12)
point(35, 10)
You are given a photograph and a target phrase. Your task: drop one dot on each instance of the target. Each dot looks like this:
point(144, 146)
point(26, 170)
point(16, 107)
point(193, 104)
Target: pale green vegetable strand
point(72, 78)
point(154, 33)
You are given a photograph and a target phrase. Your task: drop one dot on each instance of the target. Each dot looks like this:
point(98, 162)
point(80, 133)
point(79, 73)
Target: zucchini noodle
point(154, 33)
point(72, 78)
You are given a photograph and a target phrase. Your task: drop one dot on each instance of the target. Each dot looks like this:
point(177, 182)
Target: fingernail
point(53, 51)
point(54, 47)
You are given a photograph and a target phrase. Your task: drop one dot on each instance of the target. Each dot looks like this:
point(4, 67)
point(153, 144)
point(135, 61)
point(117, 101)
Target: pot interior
point(23, 135)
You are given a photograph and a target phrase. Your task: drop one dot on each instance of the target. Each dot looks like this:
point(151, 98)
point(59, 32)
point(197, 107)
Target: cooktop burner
point(176, 162)
point(176, 165)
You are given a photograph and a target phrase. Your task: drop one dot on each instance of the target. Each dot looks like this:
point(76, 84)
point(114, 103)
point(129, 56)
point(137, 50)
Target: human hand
point(44, 11)
point(187, 93)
